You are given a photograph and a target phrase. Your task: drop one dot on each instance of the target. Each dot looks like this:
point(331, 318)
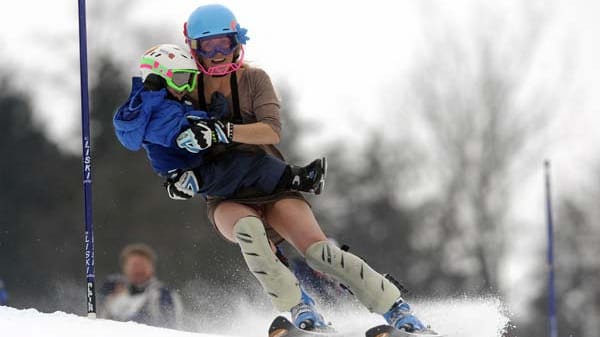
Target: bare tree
point(481, 114)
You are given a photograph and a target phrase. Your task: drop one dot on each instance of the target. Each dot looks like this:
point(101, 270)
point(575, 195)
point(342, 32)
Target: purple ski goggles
point(210, 47)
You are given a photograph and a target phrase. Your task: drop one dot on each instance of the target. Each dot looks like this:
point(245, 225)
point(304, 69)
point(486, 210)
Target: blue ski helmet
point(213, 20)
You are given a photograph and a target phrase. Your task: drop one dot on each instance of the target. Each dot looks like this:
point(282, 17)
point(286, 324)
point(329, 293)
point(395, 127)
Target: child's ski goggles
point(210, 47)
point(178, 79)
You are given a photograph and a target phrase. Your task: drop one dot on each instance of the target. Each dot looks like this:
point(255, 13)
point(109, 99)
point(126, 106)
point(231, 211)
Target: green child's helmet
point(174, 64)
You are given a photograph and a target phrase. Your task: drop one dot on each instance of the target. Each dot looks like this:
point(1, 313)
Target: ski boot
point(310, 178)
point(306, 317)
point(400, 317)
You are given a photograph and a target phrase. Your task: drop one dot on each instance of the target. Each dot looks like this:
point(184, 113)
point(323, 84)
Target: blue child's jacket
point(150, 121)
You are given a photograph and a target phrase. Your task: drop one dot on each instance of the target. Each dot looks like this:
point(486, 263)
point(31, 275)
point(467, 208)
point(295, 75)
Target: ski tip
point(279, 327)
point(385, 330)
point(278, 333)
point(282, 327)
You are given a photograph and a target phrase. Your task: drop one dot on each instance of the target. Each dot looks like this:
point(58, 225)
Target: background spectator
point(138, 295)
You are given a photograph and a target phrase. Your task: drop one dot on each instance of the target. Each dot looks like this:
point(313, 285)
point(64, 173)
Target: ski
point(282, 327)
point(385, 330)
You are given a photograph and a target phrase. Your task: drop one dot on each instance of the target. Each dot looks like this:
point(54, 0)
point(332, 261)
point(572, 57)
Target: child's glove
point(182, 185)
point(203, 133)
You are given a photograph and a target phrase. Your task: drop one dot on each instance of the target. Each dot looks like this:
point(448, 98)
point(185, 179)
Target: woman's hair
point(237, 52)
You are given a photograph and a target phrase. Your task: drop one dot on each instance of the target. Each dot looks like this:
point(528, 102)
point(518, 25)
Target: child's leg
point(239, 171)
point(270, 174)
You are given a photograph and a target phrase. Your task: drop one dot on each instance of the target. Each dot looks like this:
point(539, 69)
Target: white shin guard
point(276, 279)
point(376, 292)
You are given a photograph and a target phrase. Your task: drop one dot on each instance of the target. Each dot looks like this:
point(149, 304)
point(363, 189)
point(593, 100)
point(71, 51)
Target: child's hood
point(131, 119)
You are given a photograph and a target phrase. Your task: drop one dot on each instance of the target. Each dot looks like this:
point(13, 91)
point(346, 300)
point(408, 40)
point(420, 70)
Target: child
point(156, 113)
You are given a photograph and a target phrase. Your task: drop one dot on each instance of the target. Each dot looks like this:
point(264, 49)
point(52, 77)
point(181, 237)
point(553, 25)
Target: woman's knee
point(227, 215)
point(291, 205)
point(294, 221)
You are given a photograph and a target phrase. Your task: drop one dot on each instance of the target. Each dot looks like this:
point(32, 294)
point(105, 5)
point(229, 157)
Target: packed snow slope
point(483, 317)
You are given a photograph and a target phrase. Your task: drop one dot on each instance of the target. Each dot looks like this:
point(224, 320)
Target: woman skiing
point(253, 221)
point(156, 113)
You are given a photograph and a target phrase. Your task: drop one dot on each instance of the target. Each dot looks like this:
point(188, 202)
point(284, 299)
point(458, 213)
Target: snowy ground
point(456, 318)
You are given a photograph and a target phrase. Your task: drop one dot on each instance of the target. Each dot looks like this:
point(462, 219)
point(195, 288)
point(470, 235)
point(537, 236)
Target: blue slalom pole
point(551, 290)
point(87, 166)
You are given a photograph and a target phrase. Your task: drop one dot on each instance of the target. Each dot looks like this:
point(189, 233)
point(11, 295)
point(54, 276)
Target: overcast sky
point(292, 40)
point(314, 46)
